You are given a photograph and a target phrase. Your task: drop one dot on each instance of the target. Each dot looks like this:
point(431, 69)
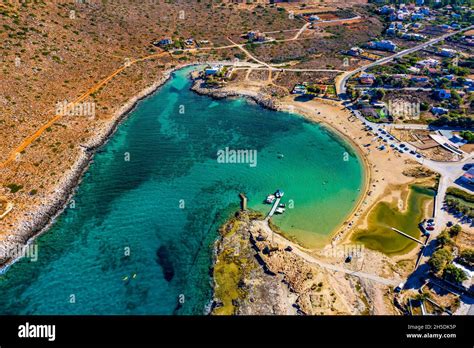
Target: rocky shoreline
point(255, 275)
point(200, 87)
point(243, 283)
point(41, 220)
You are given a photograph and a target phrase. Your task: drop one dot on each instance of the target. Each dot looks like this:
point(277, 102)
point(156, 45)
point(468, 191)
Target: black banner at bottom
point(346, 331)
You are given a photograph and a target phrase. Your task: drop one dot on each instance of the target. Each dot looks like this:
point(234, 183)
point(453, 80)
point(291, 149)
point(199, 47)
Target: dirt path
point(25, 143)
point(263, 225)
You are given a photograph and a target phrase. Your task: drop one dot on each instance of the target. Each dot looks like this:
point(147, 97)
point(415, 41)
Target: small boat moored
point(270, 199)
point(279, 193)
point(279, 210)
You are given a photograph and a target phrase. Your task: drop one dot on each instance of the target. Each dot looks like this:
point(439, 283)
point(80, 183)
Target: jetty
point(243, 201)
point(275, 206)
point(423, 245)
point(278, 195)
point(408, 236)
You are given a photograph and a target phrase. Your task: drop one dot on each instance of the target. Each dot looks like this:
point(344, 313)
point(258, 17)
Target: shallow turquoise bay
point(166, 203)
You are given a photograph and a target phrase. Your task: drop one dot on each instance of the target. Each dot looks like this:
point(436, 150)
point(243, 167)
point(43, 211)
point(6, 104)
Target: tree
point(467, 257)
point(455, 98)
point(444, 238)
point(454, 274)
point(378, 81)
point(455, 230)
point(467, 135)
point(313, 89)
point(440, 259)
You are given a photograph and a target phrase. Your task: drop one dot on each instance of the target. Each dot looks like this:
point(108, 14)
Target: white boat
point(270, 199)
point(279, 193)
point(279, 210)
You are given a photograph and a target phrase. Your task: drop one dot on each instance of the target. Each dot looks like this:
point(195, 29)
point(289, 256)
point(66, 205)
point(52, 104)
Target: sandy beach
point(384, 178)
point(385, 182)
point(383, 168)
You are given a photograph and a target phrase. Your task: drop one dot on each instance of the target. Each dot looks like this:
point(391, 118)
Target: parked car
point(468, 166)
point(399, 287)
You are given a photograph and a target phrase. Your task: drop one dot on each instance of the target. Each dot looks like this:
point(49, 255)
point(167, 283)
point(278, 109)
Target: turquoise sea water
point(157, 190)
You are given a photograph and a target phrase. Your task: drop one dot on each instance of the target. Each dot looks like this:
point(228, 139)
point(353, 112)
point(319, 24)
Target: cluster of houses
point(413, 14)
point(418, 12)
point(382, 45)
point(405, 31)
point(409, 12)
point(257, 36)
point(217, 73)
point(167, 42)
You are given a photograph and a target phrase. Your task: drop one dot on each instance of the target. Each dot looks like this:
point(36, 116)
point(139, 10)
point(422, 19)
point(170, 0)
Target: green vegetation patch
point(460, 201)
point(458, 193)
point(468, 135)
point(14, 187)
point(228, 273)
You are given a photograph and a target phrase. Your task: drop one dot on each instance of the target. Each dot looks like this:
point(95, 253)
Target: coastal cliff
point(253, 275)
point(42, 216)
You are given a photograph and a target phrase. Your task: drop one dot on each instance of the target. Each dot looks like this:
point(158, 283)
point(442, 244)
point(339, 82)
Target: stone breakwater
point(40, 218)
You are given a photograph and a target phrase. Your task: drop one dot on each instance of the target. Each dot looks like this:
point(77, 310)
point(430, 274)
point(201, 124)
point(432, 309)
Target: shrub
point(468, 135)
point(455, 230)
point(440, 259)
point(467, 258)
point(14, 187)
point(454, 274)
